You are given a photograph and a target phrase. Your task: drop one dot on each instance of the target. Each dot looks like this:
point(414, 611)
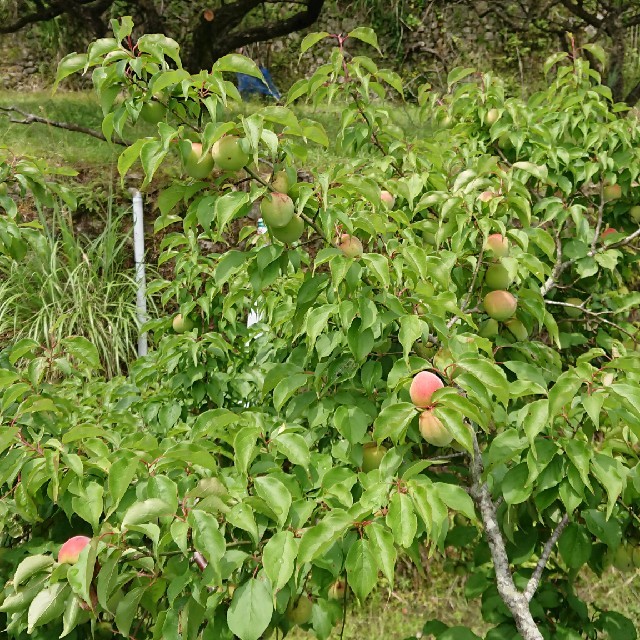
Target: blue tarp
point(248, 85)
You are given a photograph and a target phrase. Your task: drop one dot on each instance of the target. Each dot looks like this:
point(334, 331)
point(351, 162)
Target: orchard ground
point(389, 614)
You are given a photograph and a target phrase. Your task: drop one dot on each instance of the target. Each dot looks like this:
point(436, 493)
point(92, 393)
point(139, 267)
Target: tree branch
point(515, 600)
point(54, 10)
point(534, 581)
point(634, 95)
point(582, 13)
point(30, 118)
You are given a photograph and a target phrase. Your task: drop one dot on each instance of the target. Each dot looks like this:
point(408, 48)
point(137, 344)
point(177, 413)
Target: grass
point(60, 146)
point(400, 614)
point(68, 284)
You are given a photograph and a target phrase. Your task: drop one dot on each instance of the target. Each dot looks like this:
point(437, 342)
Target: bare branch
point(557, 269)
point(534, 581)
point(30, 118)
point(514, 599)
point(54, 10)
point(593, 314)
point(582, 13)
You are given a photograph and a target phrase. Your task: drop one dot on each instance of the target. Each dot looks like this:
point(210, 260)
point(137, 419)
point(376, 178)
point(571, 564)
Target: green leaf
point(365, 34)
point(278, 558)
point(48, 605)
point(241, 516)
point(227, 207)
point(514, 483)
point(384, 548)
point(310, 39)
point(83, 351)
point(362, 568)
point(455, 497)
point(411, 328)
point(207, 537)
point(606, 530)
point(457, 74)
point(127, 609)
point(146, 511)
point(401, 519)
point(69, 64)
point(536, 419)
point(294, 447)
point(30, 567)
point(121, 475)
point(538, 171)
point(276, 495)
point(251, 609)
point(71, 616)
point(563, 391)
point(575, 545)
point(235, 63)
point(393, 421)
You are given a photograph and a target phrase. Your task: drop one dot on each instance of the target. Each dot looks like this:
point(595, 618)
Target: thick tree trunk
point(217, 35)
point(615, 75)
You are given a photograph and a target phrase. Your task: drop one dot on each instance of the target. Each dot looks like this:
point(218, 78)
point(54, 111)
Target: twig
point(593, 314)
point(30, 118)
point(557, 268)
point(560, 267)
point(534, 581)
point(467, 297)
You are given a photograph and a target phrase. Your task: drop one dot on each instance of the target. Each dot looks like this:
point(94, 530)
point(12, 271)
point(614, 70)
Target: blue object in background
point(248, 85)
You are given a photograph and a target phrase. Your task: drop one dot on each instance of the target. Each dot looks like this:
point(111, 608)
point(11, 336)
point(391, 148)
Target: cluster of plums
point(499, 304)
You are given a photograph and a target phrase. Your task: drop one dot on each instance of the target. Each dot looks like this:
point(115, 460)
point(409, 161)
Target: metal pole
point(141, 281)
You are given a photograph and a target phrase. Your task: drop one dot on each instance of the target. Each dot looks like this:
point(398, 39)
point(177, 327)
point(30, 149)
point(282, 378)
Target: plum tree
point(498, 245)
point(500, 305)
point(70, 550)
point(433, 430)
point(197, 166)
point(372, 455)
point(277, 210)
point(291, 232)
point(181, 324)
point(423, 386)
point(497, 277)
point(299, 610)
point(350, 246)
point(228, 155)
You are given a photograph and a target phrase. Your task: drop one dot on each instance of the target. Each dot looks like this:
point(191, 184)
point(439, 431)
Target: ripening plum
point(277, 209)
point(70, 550)
point(350, 246)
point(498, 244)
point(432, 429)
point(423, 386)
point(228, 154)
point(500, 305)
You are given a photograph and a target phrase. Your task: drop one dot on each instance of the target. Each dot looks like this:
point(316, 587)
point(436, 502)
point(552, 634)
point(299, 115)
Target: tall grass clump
point(70, 284)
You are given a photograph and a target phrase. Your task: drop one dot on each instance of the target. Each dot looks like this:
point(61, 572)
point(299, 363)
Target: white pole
point(141, 281)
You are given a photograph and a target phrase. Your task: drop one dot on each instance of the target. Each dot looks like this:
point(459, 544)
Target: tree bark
point(515, 600)
point(216, 38)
